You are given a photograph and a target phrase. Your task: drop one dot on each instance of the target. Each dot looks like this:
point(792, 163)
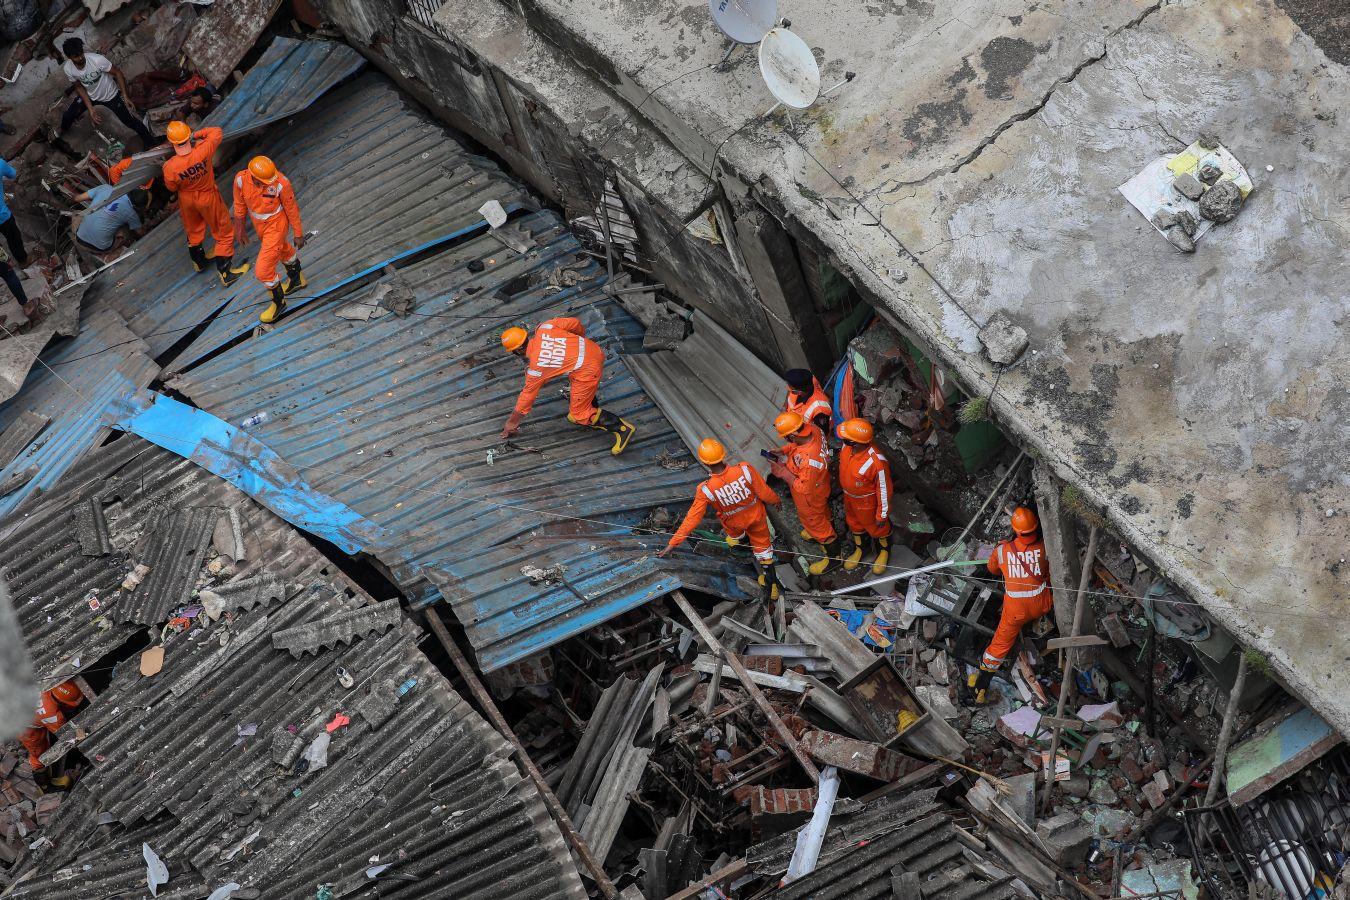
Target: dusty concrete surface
point(1201, 398)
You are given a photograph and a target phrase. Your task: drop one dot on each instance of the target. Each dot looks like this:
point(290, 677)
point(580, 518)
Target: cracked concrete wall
point(970, 168)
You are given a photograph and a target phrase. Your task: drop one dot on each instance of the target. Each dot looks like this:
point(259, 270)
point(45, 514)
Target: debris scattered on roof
point(342, 628)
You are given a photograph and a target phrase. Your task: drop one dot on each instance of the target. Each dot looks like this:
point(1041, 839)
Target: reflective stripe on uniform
point(815, 463)
point(264, 216)
point(884, 492)
point(1021, 594)
point(707, 493)
point(859, 496)
point(534, 373)
point(991, 662)
point(862, 470)
point(581, 352)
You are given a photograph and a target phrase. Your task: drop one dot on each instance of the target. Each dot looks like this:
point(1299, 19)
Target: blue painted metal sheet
point(396, 417)
point(288, 77)
point(237, 457)
point(375, 179)
point(73, 385)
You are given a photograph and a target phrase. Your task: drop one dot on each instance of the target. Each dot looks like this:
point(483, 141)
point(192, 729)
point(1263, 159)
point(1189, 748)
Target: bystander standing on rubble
point(8, 225)
point(99, 83)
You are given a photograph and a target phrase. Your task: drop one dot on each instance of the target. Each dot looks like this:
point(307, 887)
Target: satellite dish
point(789, 68)
point(744, 21)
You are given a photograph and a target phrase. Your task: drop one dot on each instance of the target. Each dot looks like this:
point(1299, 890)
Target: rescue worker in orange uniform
point(266, 196)
point(804, 463)
point(1026, 593)
point(50, 715)
point(807, 398)
point(737, 494)
point(865, 476)
point(190, 174)
point(560, 347)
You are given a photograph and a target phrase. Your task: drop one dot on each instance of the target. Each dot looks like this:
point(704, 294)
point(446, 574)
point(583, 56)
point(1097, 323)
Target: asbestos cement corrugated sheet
point(240, 763)
point(287, 78)
point(72, 385)
point(863, 850)
point(67, 602)
point(375, 181)
point(398, 419)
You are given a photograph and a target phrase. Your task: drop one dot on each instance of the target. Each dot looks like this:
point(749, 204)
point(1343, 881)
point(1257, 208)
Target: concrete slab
point(1199, 399)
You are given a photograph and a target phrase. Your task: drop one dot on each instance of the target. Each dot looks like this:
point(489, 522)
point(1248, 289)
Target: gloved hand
point(512, 426)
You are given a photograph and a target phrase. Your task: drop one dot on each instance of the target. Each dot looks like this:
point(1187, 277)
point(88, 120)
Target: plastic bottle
point(257, 418)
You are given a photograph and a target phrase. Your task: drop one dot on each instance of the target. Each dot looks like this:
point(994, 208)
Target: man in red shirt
point(737, 495)
point(560, 347)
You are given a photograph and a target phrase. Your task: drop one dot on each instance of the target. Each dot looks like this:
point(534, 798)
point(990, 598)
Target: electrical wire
point(618, 526)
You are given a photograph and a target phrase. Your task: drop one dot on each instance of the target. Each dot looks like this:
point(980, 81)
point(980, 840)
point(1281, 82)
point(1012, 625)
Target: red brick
point(769, 665)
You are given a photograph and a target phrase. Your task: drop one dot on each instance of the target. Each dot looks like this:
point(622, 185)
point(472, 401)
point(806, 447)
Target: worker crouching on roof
point(52, 709)
point(560, 347)
point(865, 477)
point(266, 196)
point(804, 463)
point(807, 398)
point(737, 494)
point(190, 174)
point(1026, 593)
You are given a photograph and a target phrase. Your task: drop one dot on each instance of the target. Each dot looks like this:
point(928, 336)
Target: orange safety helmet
point(859, 431)
point(788, 423)
point(67, 693)
point(514, 338)
point(1024, 521)
point(263, 169)
point(178, 132)
point(711, 452)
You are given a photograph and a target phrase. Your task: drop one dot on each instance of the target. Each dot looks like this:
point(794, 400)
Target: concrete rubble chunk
point(1221, 202)
point(1004, 343)
point(1188, 186)
point(938, 701)
point(1067, 838)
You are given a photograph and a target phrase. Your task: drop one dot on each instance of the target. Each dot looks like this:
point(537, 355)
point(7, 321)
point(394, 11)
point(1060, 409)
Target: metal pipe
point(555, 808)
point(884, 579)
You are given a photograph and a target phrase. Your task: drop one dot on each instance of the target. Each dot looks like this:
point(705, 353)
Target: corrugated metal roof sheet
point(289, 76)
point(375, 179)
point(905, 833)
point(73, 384)
point(134, 483)
point(395, 418)
point(206, 754)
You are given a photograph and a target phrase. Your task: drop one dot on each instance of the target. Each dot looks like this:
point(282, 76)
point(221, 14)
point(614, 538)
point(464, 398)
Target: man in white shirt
point(94, 76)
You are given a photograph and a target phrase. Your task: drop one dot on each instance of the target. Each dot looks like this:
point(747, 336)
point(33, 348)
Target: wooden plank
point(751, 688)
point(728, 872)
point(1081, 640)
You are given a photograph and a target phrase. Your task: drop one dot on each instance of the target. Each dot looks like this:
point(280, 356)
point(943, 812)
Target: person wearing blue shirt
point(102, 228)
point(8, 226)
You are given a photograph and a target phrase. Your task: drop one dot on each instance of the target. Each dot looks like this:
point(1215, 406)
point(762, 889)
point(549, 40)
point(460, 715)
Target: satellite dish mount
point(744, 22)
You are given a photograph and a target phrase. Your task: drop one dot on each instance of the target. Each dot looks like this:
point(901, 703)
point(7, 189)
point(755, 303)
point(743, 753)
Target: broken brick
point(1132, 770)
point(1154, 794)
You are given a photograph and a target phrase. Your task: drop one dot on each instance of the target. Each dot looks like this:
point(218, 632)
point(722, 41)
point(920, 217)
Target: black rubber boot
point(295, 277)
point(768, 579)
point(276, 307)
point(228, 271)
point(198, 255)
point(622, 430)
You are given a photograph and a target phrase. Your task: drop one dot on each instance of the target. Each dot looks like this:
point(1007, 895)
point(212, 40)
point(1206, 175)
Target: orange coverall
point(811, 406)
point(1026, 592)
point(47, 720)
point(865, 476)
point(810, 467)
point(272, 208)
point(193, 178)
point(560, 347)
point(737, 496)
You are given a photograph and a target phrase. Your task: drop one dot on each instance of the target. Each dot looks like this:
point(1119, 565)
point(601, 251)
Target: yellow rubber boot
point(228, 271)
point(773, 586)
point(275, 308)
point(733, 542)
point(829, 558)
point(855, 557)
point(806, 535)
point(883, 555)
